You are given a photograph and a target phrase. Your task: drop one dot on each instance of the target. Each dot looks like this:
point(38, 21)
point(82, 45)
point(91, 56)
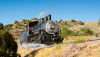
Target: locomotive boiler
point(43, 31)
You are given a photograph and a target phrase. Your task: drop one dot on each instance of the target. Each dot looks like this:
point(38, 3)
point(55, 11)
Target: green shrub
point(96, 35)
point(80, 22)
point(75, 33)
point(72, 20)
point(65, 23)
point(15, 22)
point(85, 31)
point(65, 32)
point(7, 27)
point(80, 41)
point(8, 46)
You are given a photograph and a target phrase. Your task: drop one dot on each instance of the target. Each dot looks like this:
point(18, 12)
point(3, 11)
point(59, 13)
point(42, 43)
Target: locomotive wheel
point(59, 39)
point(45, 40)
point(32, 39)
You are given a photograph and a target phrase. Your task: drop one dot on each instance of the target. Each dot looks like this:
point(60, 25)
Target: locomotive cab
point(31, 27)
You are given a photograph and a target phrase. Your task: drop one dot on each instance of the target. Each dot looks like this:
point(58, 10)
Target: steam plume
point(42, 14)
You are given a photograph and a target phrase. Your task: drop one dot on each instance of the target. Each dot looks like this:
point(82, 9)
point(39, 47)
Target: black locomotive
point(43, 31)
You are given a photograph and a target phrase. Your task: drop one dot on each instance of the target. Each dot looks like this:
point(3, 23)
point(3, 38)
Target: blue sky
point(83, 10)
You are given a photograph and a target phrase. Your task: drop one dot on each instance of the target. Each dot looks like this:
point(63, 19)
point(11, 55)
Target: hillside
point(77, 49)
point(20, 26)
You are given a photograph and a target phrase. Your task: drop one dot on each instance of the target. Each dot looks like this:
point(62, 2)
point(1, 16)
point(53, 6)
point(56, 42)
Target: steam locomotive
point(43, 31)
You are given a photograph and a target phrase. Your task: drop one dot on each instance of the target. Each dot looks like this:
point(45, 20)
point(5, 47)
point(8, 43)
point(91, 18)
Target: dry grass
point(56, 51)
point(85, 49)
point(75, 38)
point(61, 50)
point(23, 52)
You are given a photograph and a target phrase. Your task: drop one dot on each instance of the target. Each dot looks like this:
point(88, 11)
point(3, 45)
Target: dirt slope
point(86, 49)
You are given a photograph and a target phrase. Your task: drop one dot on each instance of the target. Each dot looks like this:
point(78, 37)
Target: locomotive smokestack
point(46, 18)
point(49, 17)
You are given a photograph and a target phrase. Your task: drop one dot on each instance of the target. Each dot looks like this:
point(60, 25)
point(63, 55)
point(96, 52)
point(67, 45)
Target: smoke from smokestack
point(42, 14)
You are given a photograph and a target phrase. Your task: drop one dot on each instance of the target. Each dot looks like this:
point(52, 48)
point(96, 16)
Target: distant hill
point(19, 27)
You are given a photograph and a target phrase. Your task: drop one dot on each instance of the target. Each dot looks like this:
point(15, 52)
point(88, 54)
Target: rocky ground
point(85, 49)
point(89, 48)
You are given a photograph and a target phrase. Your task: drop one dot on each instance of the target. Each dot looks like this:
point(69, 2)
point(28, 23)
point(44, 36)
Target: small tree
point(8, 46)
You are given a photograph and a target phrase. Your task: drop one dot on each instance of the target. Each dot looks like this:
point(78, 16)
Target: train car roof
point(34, 23)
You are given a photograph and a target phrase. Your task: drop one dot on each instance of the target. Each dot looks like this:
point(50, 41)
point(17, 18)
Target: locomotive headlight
point(52, 26)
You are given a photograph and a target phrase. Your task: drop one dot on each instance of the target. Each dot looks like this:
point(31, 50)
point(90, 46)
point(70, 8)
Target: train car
point(43, 31)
